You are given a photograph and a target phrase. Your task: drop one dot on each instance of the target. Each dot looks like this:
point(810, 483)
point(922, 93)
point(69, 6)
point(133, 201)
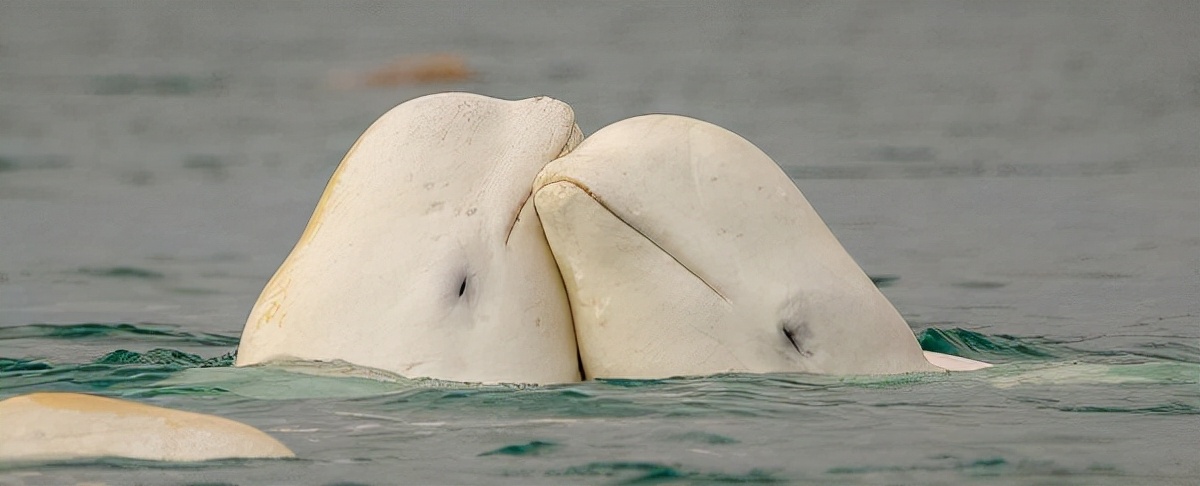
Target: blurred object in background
point(426, 69)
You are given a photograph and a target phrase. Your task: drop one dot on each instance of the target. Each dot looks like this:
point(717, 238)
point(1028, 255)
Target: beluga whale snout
point(425, 256)
point(686, 250)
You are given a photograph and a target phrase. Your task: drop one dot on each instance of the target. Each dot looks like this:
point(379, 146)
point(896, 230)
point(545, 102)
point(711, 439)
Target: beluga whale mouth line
point(573, 141)
point(582, 186)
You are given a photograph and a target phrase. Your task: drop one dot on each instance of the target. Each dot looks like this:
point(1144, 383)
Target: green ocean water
point(777, 428)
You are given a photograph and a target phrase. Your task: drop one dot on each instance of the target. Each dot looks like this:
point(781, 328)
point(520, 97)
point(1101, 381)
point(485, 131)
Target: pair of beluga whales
point(474, 239)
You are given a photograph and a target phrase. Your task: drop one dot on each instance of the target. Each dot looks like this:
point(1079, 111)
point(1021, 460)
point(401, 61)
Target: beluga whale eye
point(462, 288)
point(795, 334)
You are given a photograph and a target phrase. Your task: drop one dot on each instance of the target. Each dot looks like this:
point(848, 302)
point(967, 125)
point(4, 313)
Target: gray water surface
point(1018, 169)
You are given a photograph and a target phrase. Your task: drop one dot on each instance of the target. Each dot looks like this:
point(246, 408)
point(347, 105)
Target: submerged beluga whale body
point(59, 426)
point(473, 239)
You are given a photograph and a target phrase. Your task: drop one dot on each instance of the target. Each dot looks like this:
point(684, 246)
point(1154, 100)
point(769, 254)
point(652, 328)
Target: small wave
point(657, 473)
point(991, 348)
point(147, 332)
point(533, 448)
point(122, 272)
point(167, 357)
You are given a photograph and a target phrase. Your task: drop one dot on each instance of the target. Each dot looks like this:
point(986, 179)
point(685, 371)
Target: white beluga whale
point(57, 426)
point(685, 250)
point(425, 256)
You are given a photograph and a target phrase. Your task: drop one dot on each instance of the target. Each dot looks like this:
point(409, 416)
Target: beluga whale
point(40, 427)
point(474, 239)
point(425, 256)
point(686, 250)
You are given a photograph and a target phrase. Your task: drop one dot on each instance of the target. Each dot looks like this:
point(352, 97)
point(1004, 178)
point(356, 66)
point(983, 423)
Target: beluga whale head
point(425, 256)
point(685, 250)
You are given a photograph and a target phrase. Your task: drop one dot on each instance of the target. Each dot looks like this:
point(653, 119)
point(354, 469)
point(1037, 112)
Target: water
point(1048, 413)
point(1024, 171)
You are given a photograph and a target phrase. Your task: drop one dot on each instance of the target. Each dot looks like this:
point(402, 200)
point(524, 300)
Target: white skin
point(425, 257)
point(53, 426)
point(686, 251)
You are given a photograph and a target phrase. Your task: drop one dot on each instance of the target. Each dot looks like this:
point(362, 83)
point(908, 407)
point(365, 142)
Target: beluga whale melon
point(686, 250)
point(425, 256)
